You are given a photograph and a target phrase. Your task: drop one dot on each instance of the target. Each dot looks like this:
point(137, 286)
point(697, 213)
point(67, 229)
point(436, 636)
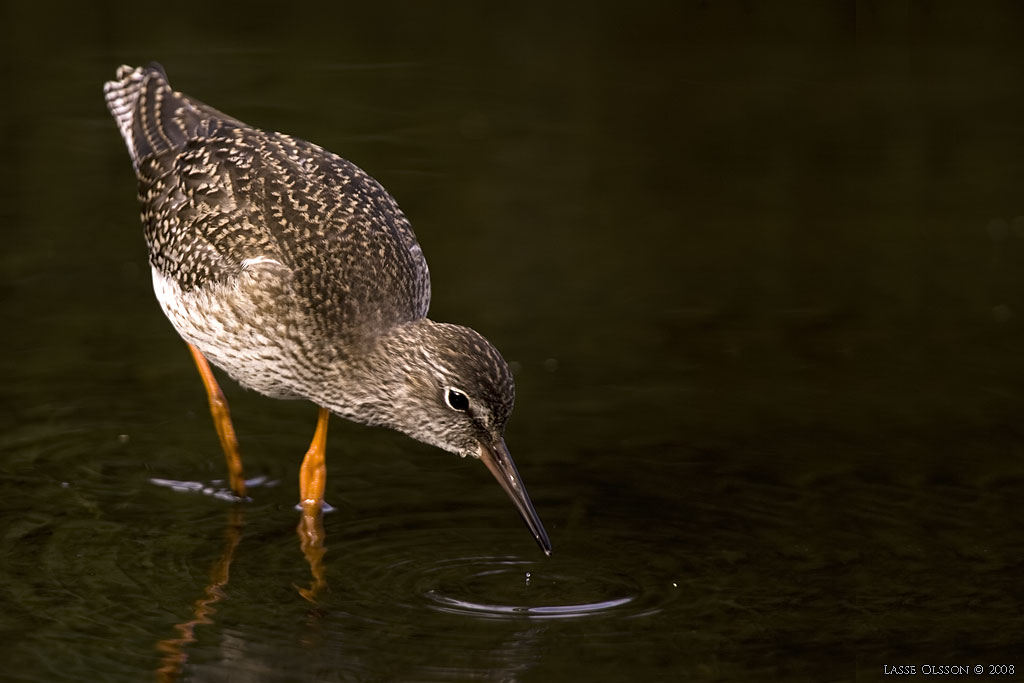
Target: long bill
point(499, 462)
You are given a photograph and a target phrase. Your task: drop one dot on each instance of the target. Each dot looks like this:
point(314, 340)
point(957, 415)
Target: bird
point(297, 274)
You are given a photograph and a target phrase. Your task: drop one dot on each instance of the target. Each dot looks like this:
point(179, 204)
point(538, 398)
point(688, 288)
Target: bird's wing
point(218, 194)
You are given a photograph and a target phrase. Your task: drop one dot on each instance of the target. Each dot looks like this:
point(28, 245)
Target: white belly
point(233, 337)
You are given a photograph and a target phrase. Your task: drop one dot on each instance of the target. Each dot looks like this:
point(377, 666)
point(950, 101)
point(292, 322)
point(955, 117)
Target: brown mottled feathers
point(219, 196)
point(297, 274)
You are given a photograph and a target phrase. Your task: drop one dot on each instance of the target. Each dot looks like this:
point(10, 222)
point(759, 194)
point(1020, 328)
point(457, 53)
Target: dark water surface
point(760, 273)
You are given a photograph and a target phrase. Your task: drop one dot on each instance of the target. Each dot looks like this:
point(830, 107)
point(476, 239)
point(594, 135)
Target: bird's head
point(449, 387)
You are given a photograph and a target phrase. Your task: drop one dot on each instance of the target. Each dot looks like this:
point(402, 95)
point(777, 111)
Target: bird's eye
point(456, 400)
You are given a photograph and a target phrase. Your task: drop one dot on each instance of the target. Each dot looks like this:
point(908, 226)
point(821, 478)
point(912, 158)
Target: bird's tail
point(153, 118)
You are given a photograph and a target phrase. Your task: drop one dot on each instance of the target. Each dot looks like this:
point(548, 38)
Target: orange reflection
point(173, 649)
point(311, 539)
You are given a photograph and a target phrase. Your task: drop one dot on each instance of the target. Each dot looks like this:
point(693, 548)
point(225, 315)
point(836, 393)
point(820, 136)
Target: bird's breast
point(250, 327)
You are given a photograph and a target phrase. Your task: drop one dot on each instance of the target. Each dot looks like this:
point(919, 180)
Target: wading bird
point(296, 273)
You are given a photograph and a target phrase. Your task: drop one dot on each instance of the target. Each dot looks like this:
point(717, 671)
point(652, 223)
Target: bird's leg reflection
point(311, 539)
point(174, 657)
point(312, 479)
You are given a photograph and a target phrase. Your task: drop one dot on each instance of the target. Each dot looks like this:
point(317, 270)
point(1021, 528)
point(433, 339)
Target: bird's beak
point(499, 462)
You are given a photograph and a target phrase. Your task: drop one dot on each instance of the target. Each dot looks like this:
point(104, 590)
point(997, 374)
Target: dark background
point(759, 270)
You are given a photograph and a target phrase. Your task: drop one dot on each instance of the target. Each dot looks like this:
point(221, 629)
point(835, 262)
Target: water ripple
point(503, 588)
point(508, 587)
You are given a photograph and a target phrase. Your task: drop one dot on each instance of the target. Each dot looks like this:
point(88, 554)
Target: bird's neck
point(371, 385)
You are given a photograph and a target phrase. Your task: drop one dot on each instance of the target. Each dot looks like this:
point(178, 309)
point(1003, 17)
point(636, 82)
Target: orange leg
point(313, 473)
point(312, 479)
point(222, 421)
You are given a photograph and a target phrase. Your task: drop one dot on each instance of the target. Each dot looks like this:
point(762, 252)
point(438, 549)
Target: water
point(758, 273)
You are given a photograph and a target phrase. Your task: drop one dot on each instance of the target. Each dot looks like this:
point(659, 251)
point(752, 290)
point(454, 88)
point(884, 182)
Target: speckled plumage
point(296, 272)
point(266, 250)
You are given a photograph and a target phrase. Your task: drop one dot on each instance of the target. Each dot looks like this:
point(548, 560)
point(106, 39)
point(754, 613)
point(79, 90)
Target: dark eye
point(456, 400)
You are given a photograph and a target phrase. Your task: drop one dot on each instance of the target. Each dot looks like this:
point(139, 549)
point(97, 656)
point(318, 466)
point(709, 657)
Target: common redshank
point(296, 273)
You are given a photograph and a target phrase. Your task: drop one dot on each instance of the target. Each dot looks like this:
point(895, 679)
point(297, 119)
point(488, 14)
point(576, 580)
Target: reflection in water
point(507, 657)
point(506, 602)
point(173, 649)
point(776, 249)
point(311, 539)
point(498, 588)
point(311, 534)
point(535, 612)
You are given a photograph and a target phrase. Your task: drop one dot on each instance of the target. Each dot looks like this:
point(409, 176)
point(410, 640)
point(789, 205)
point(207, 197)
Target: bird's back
point(220, 198)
